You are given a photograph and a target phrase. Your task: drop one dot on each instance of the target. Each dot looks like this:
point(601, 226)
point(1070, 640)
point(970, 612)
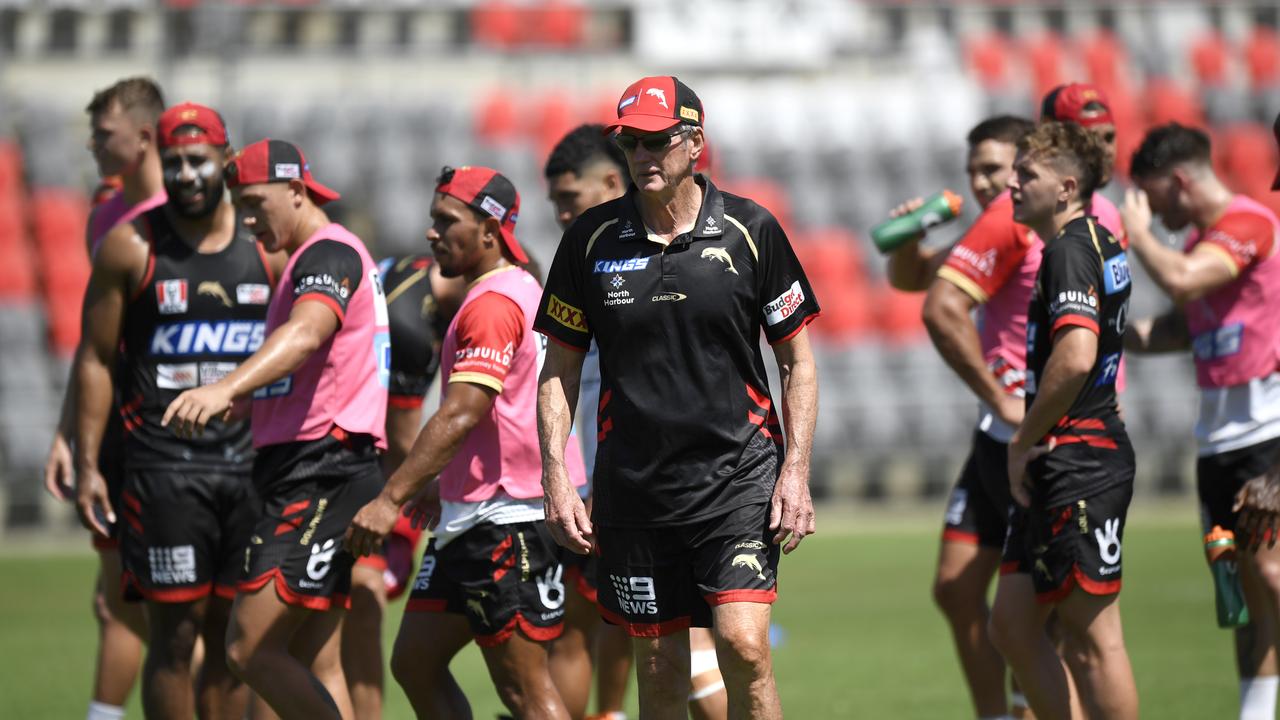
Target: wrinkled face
point(658, 161)
point(270, 212)
point(117, 141)
point(193, 178)
point(457, 236)
point(1036, 189)
point(572, 194)
point(990, 167)
point(1107, 134)
point(1164, 194)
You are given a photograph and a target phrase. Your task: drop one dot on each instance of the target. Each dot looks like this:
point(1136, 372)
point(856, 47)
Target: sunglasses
point(653, 142)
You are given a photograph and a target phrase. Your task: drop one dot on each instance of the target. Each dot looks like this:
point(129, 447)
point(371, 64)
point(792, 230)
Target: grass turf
point(859, 634)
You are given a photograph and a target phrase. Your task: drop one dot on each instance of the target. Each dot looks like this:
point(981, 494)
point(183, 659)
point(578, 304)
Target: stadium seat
point(497, 24)
point(496, 120)
point(1046, 57)
point(58, 218)
point(1105, 59)
point(10, 169)
point(898, 316)
point(766, 193)
point(1262, 57)
point(556, 24)
point(832, 261)
point(17, 272)
point(1246, 154)
point(1167, 101)
point(1210, 59)
point(988, 57)
point(552, 116)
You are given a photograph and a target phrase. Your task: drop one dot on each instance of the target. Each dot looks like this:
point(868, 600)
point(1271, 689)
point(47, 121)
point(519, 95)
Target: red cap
point(656, 103)
point(212, 130)
point(1071, 103)
point(269, 161)
point(489, 192)
point(1275, 128)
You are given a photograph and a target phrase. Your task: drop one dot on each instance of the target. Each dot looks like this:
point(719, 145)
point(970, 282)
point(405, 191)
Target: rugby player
point(1070, 463)
point(1225, 286)
point(491, 573)
point(181, 294)
point(674, 281)
point(319, 392)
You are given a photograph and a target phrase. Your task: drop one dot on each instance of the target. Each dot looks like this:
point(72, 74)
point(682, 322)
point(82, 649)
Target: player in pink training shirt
point(492, 572)
point(1225, 285)
point(319, 388)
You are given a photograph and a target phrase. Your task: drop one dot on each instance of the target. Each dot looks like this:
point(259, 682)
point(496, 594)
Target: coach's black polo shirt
point(686, 426)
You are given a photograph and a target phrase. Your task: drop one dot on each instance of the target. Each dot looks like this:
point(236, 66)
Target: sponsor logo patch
point(660, 95)
point(785, 305)
point(172, 565)
point(171, 296)
point(288, 170)
point(566, 314)
point(253, 294)
point(179, 376)
point(619, 266)
point(636, 595)
point(224, 337)
point(689, 113)
point(719, 254)
point(493, 207)
point(668, 297)
point(214, 289)
point(1116, 273)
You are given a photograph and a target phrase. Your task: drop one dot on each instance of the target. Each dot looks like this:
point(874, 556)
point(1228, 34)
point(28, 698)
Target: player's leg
point(425, 645)
point(613, 668)
point(1099, 662)
point(742, 647)
point(570, 654)
point(167, 690)
point(707, 697)
point(121, 629)
point(362, 638)
point(662, 675)
point(519, 669)
point(1018, 631)
point(318, 645)
point(220, 695)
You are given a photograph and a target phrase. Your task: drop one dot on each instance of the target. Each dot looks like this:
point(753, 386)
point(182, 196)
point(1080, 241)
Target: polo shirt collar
point(710, 223)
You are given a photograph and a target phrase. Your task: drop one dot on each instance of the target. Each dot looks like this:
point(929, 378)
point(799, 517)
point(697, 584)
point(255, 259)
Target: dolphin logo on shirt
point(748, 561)
point(719, 253)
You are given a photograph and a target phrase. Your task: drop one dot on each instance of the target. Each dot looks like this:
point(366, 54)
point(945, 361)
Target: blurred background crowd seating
point(828, 112)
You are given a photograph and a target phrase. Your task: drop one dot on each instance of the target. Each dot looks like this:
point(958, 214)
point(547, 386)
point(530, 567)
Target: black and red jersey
point(194, 318)
point(686, 426)
point(1083, 281)
point(417, 329)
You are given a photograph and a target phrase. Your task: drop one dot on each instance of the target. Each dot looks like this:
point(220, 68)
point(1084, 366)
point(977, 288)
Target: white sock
point(103, 711)
point(1258, 697)
point(1018, 700)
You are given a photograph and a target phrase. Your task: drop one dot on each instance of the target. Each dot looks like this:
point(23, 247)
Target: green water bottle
point(892, 233)
point(1220, 551)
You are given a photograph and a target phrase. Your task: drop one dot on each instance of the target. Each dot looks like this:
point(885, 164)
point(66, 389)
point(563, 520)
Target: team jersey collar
point(710, 223)
point(490, 274)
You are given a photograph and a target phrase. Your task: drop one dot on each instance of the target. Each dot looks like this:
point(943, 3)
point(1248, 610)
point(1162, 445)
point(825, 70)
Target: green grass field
point(861, 636)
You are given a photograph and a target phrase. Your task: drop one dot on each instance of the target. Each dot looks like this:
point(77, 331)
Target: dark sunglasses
point(653, 142)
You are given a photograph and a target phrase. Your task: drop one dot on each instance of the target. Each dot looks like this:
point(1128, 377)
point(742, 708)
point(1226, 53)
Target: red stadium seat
point(766, 193)
point(10, 169)
point(1046, 56)
point(553, 115)
point(1105, 59)
point(17, 271)
point(1211, 59)
point(1168, 102)
point(898, 316)
point(833, 263)
point(58, 218)
point(497, 24)
point(988, 57)
point(1262, 57)
point(556, 24)
point(496, 121)
point(1246, 158)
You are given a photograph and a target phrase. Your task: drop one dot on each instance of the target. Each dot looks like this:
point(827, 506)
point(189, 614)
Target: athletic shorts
point(310, 492)
point(184, 533)
point(500, 577)
point(1077, 544)
point(111, 465)
point(978, 509)
point(581, 570)
point(1219, 477)
point(395, 558)
point(660, 580)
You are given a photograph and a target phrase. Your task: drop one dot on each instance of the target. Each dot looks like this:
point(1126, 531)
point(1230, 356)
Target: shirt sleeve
point(488, 331)
point(561, 316)
point(787, 302)
point(1070, 275)
point(328, 272)
point(1242, 239)
point(987, 255)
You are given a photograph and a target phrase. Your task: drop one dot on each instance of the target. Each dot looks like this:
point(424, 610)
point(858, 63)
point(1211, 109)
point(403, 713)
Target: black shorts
point(1219, 477)
point(111, 465)
point(310, 492)
point(500, 577)
point(1077, 544)
point(660, 580)
point(184, 533)
point(978, 509)
point(581, 570)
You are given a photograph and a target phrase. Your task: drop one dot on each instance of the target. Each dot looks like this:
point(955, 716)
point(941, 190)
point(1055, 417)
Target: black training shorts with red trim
point(184, 533)
point(310, 492)
point(660, 580)
point(1219, 477)
point(581, 571)
point(978, 508)
point(1072, 545)
point(501, 577)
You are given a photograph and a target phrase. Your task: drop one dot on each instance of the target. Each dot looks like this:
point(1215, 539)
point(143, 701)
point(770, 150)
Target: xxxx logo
point(566, 314)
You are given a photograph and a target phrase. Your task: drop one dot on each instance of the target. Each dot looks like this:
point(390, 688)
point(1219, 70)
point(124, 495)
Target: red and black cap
point(270, 161)
point(490, 193)
point(657, 103)
point(1072, 103)
point(1275, 129)
point(209, 126)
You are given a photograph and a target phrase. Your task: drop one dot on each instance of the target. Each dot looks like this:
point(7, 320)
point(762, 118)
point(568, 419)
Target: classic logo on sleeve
point(566, 314)
point(785, 305)
point(1115, 273)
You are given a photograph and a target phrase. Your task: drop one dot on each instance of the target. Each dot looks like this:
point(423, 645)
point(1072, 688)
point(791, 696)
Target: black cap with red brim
point(271, 161)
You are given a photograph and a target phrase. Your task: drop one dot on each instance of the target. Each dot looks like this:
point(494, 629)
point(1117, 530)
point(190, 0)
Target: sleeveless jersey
point(194, 318)
point(416, 329)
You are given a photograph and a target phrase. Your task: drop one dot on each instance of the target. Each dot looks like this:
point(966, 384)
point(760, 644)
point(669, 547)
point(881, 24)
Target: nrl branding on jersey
point(223, 337)
point(785, 305)
point(620, 266)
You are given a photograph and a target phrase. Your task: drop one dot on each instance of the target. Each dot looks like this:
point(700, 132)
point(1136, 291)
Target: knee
point(239, 657)
point(102, 609)
point(413, 668)
point(172, 639)
point(954, 597)
point(1268, 569)
point(661, 668)
point(1004, 632)
point(743, 651)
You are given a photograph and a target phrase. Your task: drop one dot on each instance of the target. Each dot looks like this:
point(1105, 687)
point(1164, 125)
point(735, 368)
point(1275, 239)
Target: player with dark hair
point(181, 294)
point(1070, 463)
point(1225, 286)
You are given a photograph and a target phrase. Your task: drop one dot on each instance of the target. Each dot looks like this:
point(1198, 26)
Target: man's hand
point(1135, 212)
point(1011, 409)
point(371, 526)
point(191, 411)
point(59, 475)
point(791, 509)
point(907, 207)
point(567, 519)
point(92, 502)
point(1019, 457)
point(424, 509)
point(1258, 503)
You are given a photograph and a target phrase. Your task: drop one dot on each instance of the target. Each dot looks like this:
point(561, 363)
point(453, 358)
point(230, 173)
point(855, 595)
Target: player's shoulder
point(124, 247)
point(595, 221)
point(748, 213)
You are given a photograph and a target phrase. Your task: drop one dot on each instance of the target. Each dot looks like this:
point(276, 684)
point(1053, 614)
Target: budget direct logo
point(566, 314)
point(785, 305)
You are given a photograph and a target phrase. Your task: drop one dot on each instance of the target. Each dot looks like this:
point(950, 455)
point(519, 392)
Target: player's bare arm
point(463, 406)
point(948, 317)
point(911, 267)
point(1185, 277)
point(1075, 349)
point(309, 326)
point(117, 269)
point(1160, 334)
point(567, 517)
point(791, 511)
